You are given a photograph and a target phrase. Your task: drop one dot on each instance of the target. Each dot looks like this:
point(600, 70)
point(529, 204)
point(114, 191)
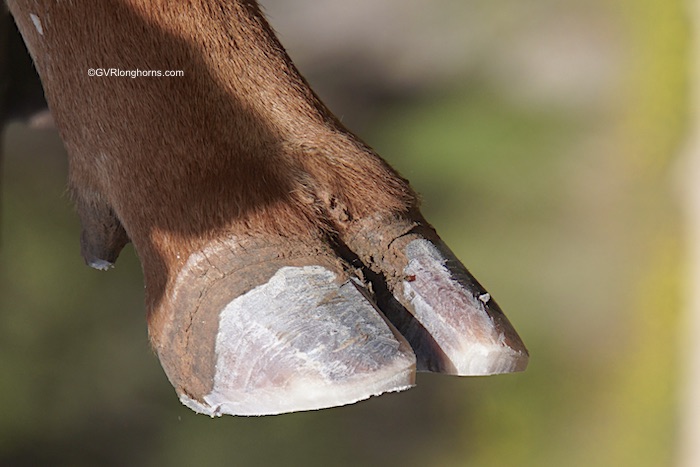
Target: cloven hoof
point(271, 326)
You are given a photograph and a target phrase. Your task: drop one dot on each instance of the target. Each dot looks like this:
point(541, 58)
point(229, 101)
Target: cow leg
point(267, 232)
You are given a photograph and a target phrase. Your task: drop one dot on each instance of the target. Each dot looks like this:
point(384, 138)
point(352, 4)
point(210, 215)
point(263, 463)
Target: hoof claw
point(473, 333)
point(452, 323)
point(307, 338)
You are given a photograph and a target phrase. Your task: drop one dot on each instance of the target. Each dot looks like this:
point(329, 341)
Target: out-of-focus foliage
point(544, 156)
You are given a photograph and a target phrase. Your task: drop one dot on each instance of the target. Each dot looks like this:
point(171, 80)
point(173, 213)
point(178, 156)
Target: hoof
point(255, 334)
point(444, 299)
point(452, 323)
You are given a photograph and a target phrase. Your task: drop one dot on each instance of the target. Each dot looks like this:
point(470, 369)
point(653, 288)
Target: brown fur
point(239, 145)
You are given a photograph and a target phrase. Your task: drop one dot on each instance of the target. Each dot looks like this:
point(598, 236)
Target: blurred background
point(551, 142)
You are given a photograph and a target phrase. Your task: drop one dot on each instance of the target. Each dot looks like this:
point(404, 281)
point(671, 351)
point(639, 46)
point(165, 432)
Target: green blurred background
point(544, 137)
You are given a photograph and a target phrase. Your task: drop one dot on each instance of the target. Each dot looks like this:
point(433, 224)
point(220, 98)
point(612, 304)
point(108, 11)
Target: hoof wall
point(307, 338)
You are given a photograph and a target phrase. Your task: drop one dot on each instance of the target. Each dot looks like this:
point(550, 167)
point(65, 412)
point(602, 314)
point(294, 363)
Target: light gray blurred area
point(356, 54)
